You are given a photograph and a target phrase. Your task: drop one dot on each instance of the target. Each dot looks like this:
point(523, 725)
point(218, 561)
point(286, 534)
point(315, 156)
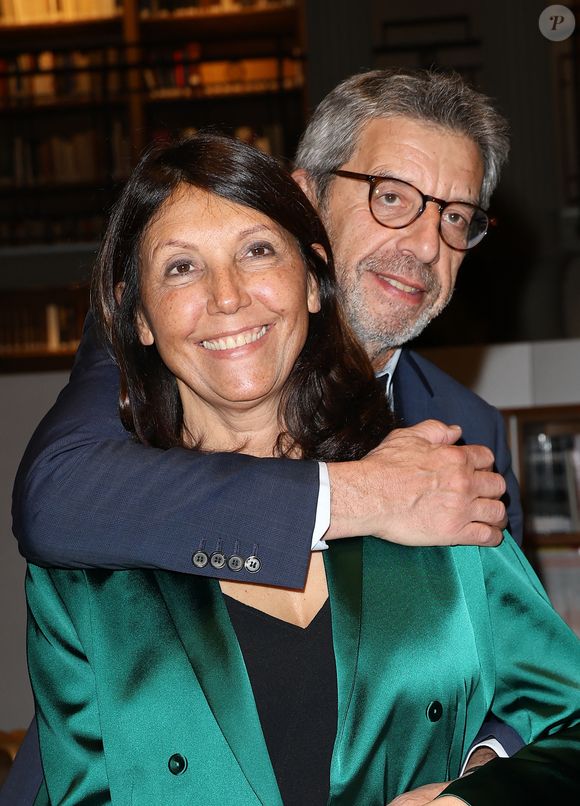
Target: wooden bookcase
point(545, 447)
point(86, 84)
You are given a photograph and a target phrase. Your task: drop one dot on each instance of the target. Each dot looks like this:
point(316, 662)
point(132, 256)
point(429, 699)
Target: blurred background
point(85, 84)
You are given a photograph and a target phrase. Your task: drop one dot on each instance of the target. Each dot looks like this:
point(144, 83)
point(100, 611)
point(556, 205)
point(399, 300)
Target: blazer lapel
point(414, 399)
point(203, 625)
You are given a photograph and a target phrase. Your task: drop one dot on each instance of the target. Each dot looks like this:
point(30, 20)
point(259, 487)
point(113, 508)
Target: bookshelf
point(40, 328)
point(545, 446)
point(86, 84)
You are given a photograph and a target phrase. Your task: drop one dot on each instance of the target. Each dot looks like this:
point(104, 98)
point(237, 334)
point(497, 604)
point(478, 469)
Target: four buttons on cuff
point(218, 560)
point(177, 764)
point(434, 711)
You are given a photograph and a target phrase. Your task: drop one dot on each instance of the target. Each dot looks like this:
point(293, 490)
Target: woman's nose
point(227, 293)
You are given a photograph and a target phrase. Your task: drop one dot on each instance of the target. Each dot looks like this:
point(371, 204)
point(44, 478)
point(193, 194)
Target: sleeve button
point(252, 564)
point(199, 559)
point(235, 563)
point(217, 560)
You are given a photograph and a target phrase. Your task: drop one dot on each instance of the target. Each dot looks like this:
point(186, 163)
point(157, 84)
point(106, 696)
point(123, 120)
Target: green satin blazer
point(143, 698)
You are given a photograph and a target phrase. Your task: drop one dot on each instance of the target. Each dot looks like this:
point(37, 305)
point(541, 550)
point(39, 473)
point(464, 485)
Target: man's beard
point(389, 325)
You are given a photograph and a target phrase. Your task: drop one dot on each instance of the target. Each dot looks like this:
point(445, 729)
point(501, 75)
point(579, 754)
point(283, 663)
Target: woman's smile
point(230, 341)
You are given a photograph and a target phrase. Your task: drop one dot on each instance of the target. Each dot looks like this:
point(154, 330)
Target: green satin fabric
point(131, 667)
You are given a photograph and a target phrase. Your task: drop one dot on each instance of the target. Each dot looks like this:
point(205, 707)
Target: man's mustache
point(404, 266)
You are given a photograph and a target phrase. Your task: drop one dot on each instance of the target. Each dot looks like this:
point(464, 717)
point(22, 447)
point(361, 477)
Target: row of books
point(552, 466)
point(75, 227)
point(33, 160)
point(76, 158)
point(48, 76)
point(177, 73)
point(200, 7)
point(22, 12)
point(53, 327)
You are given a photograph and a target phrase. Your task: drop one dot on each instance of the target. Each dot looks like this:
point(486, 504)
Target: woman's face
point(225, 297)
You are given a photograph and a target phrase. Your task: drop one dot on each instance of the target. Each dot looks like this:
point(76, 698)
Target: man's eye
point(456, 219)
point(389, 199)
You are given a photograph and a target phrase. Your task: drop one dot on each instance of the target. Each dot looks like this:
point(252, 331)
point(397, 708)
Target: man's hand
point(418, 488)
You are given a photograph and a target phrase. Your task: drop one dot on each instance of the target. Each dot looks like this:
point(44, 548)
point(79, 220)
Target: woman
point(215, 289)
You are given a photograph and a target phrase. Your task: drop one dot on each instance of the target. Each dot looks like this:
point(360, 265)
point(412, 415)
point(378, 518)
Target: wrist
point(351, 501)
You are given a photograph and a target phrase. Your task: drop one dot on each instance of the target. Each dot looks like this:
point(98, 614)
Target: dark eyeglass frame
point(441, 204)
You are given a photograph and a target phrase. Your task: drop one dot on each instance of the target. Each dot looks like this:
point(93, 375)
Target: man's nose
point(227, 292)
point(421, 239)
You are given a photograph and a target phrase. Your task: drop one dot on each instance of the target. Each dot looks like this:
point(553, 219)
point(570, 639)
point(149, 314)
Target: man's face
point(395, 281)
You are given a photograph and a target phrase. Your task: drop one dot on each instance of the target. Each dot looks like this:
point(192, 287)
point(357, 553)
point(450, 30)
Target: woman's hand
point(422, 796)
point(426, 796)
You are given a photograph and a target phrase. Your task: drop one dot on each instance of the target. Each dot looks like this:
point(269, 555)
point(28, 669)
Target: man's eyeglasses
point(396, 204)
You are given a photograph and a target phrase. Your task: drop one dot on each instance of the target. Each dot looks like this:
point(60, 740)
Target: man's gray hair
point(433, 96)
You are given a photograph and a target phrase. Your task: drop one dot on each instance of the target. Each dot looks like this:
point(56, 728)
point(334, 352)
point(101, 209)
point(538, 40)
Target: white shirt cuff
point(322, 521)
point(493, 744)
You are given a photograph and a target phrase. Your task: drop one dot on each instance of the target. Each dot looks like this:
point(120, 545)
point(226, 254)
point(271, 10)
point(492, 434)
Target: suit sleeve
point(512, 497)
point(537, 691)
point(87, 495)
point(65, 697)
point(24, 784)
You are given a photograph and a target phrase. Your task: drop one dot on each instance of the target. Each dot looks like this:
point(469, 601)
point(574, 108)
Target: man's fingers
point(480, 456)
point(484, 510)
point(478, 534)
point(433, 431)
point(488, 485)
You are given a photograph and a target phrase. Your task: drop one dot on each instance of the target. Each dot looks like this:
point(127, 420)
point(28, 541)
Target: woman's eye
point(260, 250)
point(180, 269)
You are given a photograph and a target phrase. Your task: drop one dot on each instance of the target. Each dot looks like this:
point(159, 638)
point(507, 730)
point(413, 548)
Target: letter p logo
point(556, 23)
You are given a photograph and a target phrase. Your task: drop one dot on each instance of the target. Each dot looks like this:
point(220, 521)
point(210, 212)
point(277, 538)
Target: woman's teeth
point(239, 340)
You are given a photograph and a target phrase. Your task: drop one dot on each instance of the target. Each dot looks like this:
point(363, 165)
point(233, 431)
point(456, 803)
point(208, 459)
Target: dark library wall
point(79, 98)
point(523, 283)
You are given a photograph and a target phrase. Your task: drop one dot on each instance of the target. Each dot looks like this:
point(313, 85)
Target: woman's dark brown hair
point(331, 407)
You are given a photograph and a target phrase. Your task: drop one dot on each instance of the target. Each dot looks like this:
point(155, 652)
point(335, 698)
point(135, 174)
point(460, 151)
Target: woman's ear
point(119, 288)
point(144, 331)
point(312, 294)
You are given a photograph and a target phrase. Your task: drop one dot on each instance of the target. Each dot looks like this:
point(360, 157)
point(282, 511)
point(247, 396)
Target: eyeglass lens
point(396, 204)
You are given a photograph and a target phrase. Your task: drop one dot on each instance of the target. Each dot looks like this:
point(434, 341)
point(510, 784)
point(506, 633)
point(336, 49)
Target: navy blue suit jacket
point(422, 391)
point(82, 481)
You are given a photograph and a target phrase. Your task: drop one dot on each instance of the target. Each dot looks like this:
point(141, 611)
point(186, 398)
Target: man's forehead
point(418, 151)
point(380, 135)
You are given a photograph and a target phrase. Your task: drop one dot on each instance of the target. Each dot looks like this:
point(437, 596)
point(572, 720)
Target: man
point(398, 164)
point(82, 482)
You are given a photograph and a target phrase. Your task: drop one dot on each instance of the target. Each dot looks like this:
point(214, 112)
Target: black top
point(293, 675)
